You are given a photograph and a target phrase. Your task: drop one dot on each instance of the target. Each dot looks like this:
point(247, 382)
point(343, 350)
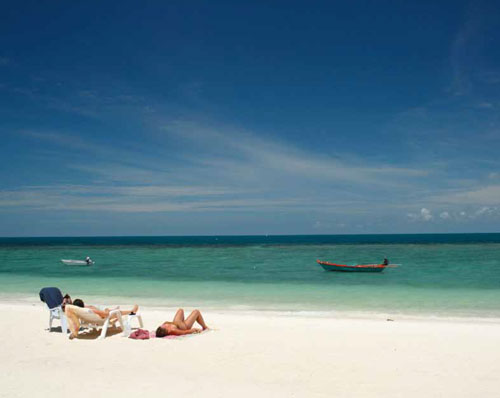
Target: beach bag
point(139, 334)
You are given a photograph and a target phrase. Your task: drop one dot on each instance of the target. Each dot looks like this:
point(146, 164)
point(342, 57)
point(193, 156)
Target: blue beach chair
point(53, 297)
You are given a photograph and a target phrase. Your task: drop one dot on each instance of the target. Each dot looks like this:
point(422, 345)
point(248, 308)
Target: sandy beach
point(254, 354)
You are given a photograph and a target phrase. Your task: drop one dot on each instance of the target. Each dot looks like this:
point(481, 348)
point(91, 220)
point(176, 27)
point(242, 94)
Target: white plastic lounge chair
point(58, 313)
point(89, 319)
point(53, 298)
point(127, 320)
point(130, 318)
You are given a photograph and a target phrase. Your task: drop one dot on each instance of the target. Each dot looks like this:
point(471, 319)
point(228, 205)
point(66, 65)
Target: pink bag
point(139, 334)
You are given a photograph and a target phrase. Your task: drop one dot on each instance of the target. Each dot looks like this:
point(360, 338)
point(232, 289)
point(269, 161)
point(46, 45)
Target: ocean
point(443, 275)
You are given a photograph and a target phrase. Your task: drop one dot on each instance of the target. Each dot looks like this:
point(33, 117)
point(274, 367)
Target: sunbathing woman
point(103, 313)
point(74, 321)
point(181, 326)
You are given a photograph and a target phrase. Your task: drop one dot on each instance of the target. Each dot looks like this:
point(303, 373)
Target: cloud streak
point(134, 199)
point(487, 196)
point(230, 169)
point(238, 149)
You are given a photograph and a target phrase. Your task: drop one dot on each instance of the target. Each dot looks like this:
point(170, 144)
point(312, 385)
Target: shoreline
point(125, 302)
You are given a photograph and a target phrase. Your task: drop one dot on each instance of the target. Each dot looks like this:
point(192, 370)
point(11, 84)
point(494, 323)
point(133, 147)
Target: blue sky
point(265, 117)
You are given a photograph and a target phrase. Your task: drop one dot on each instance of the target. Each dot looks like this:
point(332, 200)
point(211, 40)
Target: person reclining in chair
point(181, 326)
point(74, 322)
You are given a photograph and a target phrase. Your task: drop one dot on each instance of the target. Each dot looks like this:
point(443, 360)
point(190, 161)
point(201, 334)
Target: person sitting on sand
point(181, 326)
point(74, 322)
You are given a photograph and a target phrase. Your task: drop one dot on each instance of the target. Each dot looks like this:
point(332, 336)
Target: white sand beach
point(254, 355)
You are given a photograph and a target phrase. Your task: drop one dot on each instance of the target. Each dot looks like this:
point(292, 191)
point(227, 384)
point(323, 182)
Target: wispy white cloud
point(485, 195)
point(485, 105)
point(223, 168)
point(423, 215)
point(471, 62)
point(241, 169)
point(486, 211)
point(195, 166)
point(490, 76)
point(111, 163)
point(444, 215)
point(135, 199)
point(241, 150)
point(90, 103)
point(66, 140)
point(459, 57)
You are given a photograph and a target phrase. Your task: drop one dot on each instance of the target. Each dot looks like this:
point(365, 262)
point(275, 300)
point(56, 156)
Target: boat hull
point(77, 263)
point(351, 268)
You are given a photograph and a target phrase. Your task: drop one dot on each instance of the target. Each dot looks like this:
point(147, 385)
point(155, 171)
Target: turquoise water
point(443, 275)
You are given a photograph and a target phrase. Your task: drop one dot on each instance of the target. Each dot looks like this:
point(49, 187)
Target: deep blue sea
point(454, 275)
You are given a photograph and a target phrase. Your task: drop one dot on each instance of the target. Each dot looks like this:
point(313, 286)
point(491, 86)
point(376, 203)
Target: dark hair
point(66, 300)
point(161, 332)
point(78, 303)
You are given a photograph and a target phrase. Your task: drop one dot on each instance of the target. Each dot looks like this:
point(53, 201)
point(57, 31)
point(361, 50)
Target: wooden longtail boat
point(352, 268)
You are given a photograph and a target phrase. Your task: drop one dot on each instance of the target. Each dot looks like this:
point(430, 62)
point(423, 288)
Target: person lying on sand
point(74, 322)
point(181, 326)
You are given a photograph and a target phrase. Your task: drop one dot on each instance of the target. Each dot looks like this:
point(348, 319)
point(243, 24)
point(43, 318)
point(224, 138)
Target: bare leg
point(179, 319)
point(73, 322)
point(133, 310)
point(195, 316)
point(114, 318)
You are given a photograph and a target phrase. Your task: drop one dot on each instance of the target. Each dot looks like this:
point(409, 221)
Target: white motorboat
point(77, 262)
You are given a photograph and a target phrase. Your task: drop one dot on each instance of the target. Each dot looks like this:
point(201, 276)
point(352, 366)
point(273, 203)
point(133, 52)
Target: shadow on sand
point(87, 334)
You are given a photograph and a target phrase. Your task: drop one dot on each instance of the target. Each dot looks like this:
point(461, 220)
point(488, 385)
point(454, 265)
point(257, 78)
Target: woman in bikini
point(181, 326)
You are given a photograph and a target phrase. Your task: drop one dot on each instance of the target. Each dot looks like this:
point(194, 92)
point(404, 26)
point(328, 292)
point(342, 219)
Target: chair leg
point(122, 325)
point(64, 324)
point(104, 329)
point(128, 320)
point(50, 322)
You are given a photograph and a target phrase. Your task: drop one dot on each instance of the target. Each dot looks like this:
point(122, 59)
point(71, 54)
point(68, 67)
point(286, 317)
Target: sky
point(262, 117)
